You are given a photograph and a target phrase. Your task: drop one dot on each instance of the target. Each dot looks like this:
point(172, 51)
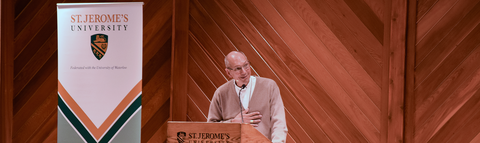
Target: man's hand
point(252, 118)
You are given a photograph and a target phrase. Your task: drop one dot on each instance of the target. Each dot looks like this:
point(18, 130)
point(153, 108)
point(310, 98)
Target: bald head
point(234, 55)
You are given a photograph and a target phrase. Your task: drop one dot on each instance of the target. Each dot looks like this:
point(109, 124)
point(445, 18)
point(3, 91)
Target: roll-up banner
point(99, 72)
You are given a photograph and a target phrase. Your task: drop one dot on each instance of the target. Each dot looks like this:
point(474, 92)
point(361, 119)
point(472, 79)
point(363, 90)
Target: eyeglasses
point(238, 69)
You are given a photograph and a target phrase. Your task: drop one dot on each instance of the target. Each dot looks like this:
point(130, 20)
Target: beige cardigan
point(265, 99)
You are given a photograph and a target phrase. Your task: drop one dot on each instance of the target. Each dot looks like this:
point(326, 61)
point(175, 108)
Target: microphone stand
point(241, 106)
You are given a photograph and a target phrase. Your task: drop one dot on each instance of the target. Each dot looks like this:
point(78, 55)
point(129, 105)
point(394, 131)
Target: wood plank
point(476, 139)
point(158, 29)
point(378, 7)
point(35, 83)
point(297, 133)
point(6, 71)
point(198, 97)
point(159, 136)
point(178, 95)
point(458, 120)
point(156, 93)
point(397, 71)
point(409, 123)
point(368, 17)
point(49, 125)
point(454, 19)
point(469, 130)
point(35, 63)
point(43, 23)
point(423, 7)
point(151, 67)
point(208, 45)
point(350, 63)
point(353, 24)
point(200, 78)
point(445, 69)
point(447, 45)
point(36, 110)
point(215, 74)
point(371, 64)
point(194, 112)
point(156, 122)
point(31, 48)
point(162, 38)
point(433, 16)
point(445, 109)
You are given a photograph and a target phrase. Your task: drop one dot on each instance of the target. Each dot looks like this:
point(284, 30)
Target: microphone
point(240, 100)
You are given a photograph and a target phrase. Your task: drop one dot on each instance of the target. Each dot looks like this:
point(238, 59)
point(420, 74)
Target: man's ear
point(228, 73)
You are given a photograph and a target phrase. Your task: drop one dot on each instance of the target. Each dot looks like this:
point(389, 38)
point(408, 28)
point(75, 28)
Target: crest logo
point(181, 137)
point(99, 44)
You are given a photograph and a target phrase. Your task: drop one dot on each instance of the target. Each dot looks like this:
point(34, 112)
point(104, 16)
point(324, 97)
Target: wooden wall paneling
point(202, 59)
point(433, 16)
point(156, 124)
point(157, 69)
point(198, 97)
point(193, 111)
point(459, 120)
point(397, 51)
point(409, 123)
point(443, 47)
point(156, 93)
point(36, 110)
point(476, 139)
point(6, 71)
point(179, 60)
point(446, 78)
point(423, 7)
point(25, 57)
point(210, 48)
point(452, 22)
point(343, 12)
point(444, 110)
point(307, 55)
point(368, 17)
point(49, 125)
point(200, 78)
point(385, 84)
point(296, 132)
point(41, 63)
point(377, 7)
point(347, 39)
point(160, 134)
point(341, 53)
point(334, 68)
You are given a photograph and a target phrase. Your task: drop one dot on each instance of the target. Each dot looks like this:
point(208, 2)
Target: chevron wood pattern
point(35, 69)
point(446, 71)
point(330, 58)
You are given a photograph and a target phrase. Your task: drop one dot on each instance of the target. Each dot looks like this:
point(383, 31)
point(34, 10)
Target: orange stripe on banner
point(98, 132)
point(76, 109)
point(121, 107)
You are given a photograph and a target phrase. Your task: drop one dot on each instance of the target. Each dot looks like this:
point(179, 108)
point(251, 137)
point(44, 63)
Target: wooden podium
point(202, 132)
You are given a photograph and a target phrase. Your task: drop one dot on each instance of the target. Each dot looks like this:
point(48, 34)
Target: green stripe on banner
point(74, 120)
point(122, 120)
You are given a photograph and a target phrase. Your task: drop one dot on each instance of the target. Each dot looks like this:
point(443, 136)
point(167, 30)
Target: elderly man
point(260, 98)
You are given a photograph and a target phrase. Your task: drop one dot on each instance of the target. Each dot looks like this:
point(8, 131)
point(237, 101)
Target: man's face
point(239, 69)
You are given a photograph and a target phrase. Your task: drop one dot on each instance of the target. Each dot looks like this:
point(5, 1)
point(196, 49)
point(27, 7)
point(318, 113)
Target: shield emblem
point(99, 43)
